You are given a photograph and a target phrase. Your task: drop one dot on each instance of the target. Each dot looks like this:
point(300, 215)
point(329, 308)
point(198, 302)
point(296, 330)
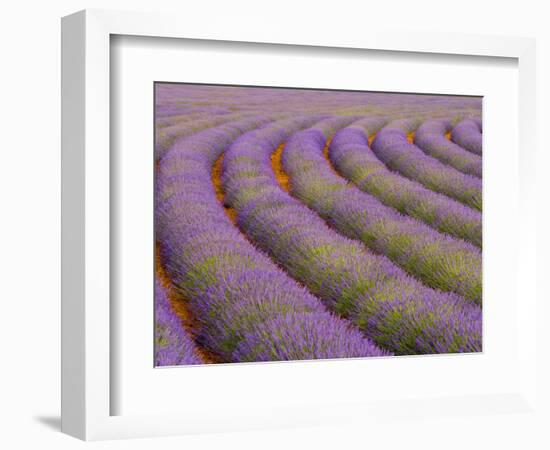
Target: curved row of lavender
point(180, 119)
point(467, 134)
point(430, 137)
point(173, 346)
point(353, 158)
point(391, 146)
point(246, 308)
point(396, 311)
point(438, 260)
point(167, 135)
point(407, 126)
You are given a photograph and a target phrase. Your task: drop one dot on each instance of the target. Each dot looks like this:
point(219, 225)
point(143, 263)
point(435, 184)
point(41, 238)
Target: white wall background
point(30, 192)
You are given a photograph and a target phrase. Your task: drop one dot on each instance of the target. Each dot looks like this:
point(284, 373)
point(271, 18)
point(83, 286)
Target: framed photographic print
point(266, 228)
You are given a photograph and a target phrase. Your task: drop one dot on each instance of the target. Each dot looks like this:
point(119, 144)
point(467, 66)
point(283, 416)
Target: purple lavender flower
point(353, 158)
point(438, 260)
point(391, 146)
point(165, 136)
point(244, 304)
point(285, 336)
point(307, 277)
point(397, 311)
point(430, 137)
point(467, 134)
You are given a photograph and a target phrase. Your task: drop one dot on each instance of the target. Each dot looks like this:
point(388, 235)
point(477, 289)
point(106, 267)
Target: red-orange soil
point(280, 174)
point(220, 195)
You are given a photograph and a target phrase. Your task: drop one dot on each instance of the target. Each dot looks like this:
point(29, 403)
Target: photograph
point(304, 224)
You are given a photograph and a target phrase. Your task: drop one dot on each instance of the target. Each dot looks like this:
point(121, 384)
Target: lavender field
point(307, 224)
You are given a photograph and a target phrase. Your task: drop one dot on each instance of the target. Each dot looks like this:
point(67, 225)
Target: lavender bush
point(238, 296)
point(166, 136)
point(396, 311)
point(430, 137)
point(438, 260)
point(392, 148)
point(303, 224)
point(353, 158)
point(467, 134)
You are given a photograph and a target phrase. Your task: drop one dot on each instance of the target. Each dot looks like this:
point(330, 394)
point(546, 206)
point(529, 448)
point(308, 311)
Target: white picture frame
point(87, 385)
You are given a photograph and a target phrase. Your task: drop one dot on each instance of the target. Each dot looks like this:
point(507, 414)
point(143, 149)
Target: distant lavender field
point(308, 224)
